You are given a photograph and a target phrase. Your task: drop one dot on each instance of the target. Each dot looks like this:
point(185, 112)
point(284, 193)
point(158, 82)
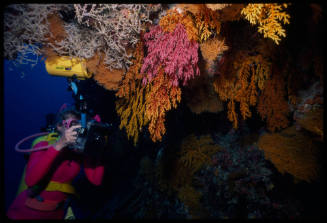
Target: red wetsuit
point(59, 166)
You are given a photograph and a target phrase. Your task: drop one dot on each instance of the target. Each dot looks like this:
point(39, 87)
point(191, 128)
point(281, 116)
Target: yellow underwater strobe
point(67, 67)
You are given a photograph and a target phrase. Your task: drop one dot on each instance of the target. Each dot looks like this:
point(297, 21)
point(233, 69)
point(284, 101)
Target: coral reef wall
point(245, 62)
point(236, 48)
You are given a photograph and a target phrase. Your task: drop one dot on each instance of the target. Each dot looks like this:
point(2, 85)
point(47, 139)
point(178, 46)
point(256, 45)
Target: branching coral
point(159, 97)
point(192, 8)
point(79, 42)
point(132, 112)
point(26, 29)
point(207, 20)
point(194, 154)
point(211, 48)
point(173, 17)
point(131, 107)
point(251, 74)
point(173, 51)
point(128, 84)
point(162, 97)
point(109, 28)
point(292, 152)
point(272, 104)
point(115, 27)
point(56, 29)
point(56, 34)
point(269, 17)
point(197, 152)
point(109, 79)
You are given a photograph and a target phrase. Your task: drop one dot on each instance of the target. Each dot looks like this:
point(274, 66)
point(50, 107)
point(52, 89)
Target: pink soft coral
point(174, 51)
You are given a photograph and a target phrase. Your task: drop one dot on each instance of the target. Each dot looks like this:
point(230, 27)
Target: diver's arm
point(39, 163)
point(94, 171)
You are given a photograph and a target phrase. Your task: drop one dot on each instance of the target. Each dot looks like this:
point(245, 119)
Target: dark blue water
point(30, 93)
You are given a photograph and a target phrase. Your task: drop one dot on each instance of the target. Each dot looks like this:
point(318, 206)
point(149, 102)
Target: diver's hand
point(68, 137)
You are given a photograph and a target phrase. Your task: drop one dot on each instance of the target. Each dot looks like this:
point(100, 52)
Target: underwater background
point(30, 93)
point(191, 162)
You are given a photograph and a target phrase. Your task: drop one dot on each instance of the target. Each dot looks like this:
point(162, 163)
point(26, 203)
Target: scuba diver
point(50, 170)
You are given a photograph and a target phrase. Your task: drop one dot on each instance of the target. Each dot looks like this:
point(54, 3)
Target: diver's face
point(69, 121)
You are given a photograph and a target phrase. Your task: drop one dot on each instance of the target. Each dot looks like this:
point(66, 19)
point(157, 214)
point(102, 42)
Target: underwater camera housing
point(93, 139)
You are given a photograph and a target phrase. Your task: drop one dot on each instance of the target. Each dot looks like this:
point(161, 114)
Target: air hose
point(32, 136)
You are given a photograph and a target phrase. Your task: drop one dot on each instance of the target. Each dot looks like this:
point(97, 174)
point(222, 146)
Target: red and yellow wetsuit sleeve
point(39, 163)
point(93, 171)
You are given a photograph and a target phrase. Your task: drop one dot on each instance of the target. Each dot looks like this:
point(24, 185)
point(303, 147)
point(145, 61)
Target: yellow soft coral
point(269, 17)
point(131, 105)
point(181, 168)
point(132, 112)
point(197, 152)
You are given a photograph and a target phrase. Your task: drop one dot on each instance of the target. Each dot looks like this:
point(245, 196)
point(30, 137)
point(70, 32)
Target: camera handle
point(82, 103)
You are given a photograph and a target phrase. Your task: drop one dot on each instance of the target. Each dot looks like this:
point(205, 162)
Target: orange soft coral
point(173, 17)
point(272, 104)
point(109, 79)
point(128, 84)
point(292, 152)
point(230, 13)
point(56, 33)
point(207, 20)
point(162, 97)
point(56, 27)
point(250, 75)
point(211, 48)
point(192, 8)
point(313, 121)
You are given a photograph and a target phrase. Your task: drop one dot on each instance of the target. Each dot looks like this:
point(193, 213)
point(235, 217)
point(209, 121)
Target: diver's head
point(67, 118)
